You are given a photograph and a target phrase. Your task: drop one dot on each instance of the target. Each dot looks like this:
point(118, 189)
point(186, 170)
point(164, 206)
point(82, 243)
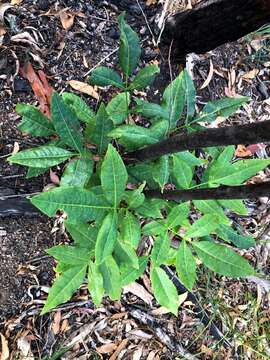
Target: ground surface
point(239, 308)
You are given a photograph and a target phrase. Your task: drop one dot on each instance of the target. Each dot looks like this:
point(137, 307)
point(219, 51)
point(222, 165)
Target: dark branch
point(230, 135)
point(221, 193)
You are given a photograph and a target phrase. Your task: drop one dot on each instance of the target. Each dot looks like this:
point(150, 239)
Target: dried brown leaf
point(66, 18)
point(107, 348)
point(4, 348)
point(84, 88)
point(209, 77)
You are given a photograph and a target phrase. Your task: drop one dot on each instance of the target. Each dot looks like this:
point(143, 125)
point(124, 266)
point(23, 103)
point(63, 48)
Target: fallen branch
point(220, 193)
point(230, 135)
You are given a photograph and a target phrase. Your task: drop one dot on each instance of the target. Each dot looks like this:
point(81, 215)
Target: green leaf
point(155, 228)
point(160, 249)
point(150, 110)
point(190, 95)
point(211, 207)
point(95, 283)
point(72, 255)
point(186, 266)
point(204, 226)
point(79, 204)
point(125, 254)
point(182, 172)
point(134, 198)
point(83, 112)
point(134, 136)
point(236, 206)
point(222, 260)
point(174, 99)
point(222, 160)
point(130, 230)
point(223, 107)
point(238, 172)
point(151, 208)
point(84, 235)
point(64, 287)
point(41, 157)
point(140, 173)
point(104, 76)
point(66, 123)
point(33, 121)
point(106, 237)
point(177, 215)
point(129, 275)
point(113, 176)
point(117, 108)
point(111, 278)
point(145, 77)
point(103, 126)
point(34, 172)
point(164, 290)
point(161, 171)
point(228, 234)
point(77, 173)
point(129, 50)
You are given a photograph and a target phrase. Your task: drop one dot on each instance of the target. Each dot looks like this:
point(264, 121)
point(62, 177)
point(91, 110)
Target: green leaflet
point(222, 160)
point(182, 172)
point(33, 121)
point(211, 207)
point(150, 110)
point(190, 95)
point(41, 157)
point(186, 266)
point(145, 77)
point(130, 230)
point(134, 136)
point(222, 260)
point(130, 49)
point(125, 254)
point(236, 206)
point(189, 158)
point(64, 287)
point(177, 215)
point(33, 172)
point(111, 277)
point(228, 234)
point(66, 124)
point(134, 198)
point(164, 290)
point(129, 275)
point(95, 283)
point(79, 204)
point(155, 228)
point(161, 171)
point(151, 208)
point(222, 107)
point(113, 176)
point(104, 125)
point(106, 238)
point(160, 249)
point(117, 108)
point(204, 226)
point(142, 173)
point(77, 173)
point(104, 76)
point(237, 173)
point(174, 99)
point(72, 255)
point(84, 235)
point(83, 112)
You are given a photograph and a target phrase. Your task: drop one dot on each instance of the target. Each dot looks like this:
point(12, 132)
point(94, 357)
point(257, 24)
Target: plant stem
point(230, 135)
point(220, 193)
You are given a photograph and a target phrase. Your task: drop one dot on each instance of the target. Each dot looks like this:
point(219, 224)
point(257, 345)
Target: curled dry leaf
point(209, 77)
point(4, 348)
point(251, 74)
point(3, 8)
point(84, 88)
point(138, 290)
point(66, 18)
point(107, 348)
point(25, 38)
point(16, 2)
point(16, 148)
point(242, 151)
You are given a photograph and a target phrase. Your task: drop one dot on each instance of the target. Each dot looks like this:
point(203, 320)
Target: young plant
point(104, 201)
